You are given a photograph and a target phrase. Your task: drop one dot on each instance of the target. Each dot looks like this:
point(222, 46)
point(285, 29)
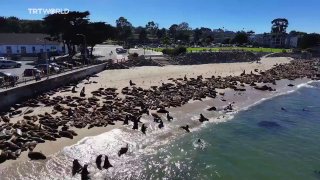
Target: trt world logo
point(47, 11)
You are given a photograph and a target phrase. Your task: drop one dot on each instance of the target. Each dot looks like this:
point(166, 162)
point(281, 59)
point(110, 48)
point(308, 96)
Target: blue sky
point(232, 14)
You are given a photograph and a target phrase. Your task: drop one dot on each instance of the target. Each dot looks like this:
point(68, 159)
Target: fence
point(24, 80)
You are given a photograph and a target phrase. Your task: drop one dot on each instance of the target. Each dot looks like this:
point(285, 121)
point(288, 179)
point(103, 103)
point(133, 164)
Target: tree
point(279, 25)
point(66, 27)
point(166, 40)
point(183, 32)
point(197, 35)
point(15, 25)
point(297, 33)
point(161, 33)
point(143, 35)
point(209, 39)
point(309, 40)
point(152, 28)
point(96, 33)
point(173, 31)
point(124, 29)
point(184, 26)
point(240, 38)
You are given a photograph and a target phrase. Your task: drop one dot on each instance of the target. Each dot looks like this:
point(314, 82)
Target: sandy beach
point(143, 77)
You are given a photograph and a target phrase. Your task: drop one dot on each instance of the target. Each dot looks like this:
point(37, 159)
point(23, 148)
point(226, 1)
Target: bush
point(175, 52)
point(133, 56)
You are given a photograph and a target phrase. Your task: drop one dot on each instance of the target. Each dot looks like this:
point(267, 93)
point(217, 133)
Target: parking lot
point(19, 71)
point(103, 52)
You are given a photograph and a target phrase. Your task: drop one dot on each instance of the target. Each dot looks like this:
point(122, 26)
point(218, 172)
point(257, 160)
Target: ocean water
point(233, 145)
point(241, 149)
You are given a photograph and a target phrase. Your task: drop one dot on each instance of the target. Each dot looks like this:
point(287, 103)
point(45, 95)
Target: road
point(109, 52)
point(104, 51)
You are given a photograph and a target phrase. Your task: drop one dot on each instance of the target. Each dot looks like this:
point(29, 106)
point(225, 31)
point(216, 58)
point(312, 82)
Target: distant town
point(64, 28)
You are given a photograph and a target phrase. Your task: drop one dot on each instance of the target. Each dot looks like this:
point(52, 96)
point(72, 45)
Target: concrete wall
point(23, 92)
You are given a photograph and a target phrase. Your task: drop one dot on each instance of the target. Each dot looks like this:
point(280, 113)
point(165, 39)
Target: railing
point(24, 80)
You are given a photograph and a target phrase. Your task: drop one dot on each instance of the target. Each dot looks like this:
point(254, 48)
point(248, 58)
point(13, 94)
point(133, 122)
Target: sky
point(234, 15)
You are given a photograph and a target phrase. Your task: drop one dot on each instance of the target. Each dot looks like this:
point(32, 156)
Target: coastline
point(162, 138)
point(140, 76)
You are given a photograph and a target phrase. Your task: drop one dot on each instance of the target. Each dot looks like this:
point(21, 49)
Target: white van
point(4, 63)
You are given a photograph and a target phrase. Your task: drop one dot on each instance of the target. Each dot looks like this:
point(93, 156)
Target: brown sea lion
point(123, 150)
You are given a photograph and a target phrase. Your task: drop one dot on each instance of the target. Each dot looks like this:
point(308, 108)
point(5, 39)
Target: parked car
point(65, 65)
point(8, 63)
point(121, 51)
point(44, 68)
point(31, 72)
point(57, 65)
point(7, 77)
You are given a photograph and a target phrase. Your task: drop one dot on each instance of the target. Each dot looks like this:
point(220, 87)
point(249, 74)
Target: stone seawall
point(22, 92)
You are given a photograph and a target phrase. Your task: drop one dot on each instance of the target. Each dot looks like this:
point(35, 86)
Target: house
point(28, 44)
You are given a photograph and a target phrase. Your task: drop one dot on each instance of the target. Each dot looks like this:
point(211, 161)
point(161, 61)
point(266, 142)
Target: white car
point(8, 63)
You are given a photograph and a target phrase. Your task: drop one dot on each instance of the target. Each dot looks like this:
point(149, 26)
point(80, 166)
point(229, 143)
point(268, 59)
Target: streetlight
point(85, 45)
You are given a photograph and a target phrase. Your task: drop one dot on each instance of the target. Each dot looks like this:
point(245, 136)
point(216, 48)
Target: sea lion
point(36, 155)
point(98, 161)
point(131, 83)
point(143, 128)
point(73, 89)
point(202, 118)
point(123, 150)
point(162, 110)
point(76, 167)
point(66, 134)
point(82, 93)
point(107, 164)
point(126, 120)
point(212, 108)
point(161, 124)
point(85, 173)
point(135, 125)
point(186, 128)
point(169, 118)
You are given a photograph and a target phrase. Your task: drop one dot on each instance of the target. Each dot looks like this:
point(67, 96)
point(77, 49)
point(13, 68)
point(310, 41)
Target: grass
point(192, 49)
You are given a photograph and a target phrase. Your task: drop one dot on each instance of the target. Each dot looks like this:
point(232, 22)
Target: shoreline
point(218, 117)
point(52, 147)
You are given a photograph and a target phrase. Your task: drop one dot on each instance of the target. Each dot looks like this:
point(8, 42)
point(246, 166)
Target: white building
point(269, 40)
point(28, 44)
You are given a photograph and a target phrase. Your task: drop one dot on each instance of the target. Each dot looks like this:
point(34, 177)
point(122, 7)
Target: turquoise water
point(241, 149)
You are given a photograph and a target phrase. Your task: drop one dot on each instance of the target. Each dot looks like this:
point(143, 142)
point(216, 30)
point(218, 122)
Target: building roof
point(25, 39)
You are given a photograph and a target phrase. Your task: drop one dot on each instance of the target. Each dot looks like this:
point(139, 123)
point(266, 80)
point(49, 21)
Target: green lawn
point(192, 49)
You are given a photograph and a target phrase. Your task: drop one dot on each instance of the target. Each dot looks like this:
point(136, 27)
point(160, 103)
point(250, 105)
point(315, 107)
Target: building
point(275, 41)
point(28, 44)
